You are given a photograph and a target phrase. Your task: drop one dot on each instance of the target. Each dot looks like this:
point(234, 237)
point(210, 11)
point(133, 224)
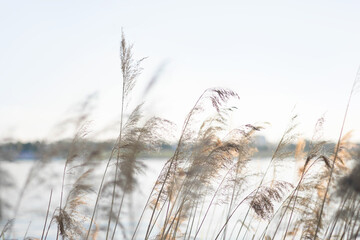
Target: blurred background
point(275, 55)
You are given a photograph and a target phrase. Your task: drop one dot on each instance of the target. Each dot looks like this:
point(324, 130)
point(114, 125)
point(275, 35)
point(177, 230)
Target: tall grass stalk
point(99, 191)
point(129, 74)
point(118, 215)
point(130, 71)
point(125, 78)
point(47, 215)
point(353, 88)
point(286, 137)
point(171, 162)
point(316, 146)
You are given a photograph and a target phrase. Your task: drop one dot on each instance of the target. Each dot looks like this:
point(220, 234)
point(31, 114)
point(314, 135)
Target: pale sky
point(274, 54)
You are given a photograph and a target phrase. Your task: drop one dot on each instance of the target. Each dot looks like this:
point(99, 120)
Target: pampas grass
point(206, 189)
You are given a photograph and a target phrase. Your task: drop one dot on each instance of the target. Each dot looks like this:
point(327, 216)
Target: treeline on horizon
point(17, 150)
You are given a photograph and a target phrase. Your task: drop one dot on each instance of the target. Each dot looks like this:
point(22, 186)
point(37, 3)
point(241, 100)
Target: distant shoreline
point(59, 150)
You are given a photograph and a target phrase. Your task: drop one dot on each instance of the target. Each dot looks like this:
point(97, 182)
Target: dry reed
point(207, 173)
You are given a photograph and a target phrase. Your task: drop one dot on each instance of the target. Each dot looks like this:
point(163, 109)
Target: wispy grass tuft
point(207, 189)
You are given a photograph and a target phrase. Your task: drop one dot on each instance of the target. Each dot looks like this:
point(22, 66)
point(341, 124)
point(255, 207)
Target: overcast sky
point(275, 54)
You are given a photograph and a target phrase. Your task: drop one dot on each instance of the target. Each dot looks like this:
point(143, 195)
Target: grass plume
point(210, 186)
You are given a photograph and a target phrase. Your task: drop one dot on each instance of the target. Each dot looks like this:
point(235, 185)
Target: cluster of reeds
point(206, 190)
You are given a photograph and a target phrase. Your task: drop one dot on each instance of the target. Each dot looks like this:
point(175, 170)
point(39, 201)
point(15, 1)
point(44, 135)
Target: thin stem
point(118, 154)
point(99, 191)
point(356, 220)
point(118, 215)
point(48, 229)
point(177, 223)
point(157, 216)
point(336, 153)
point(342, 205)
point(188, 222)
point(212, 200)
point(27, 230)
point(172, 222)
point(262, 180)
point(193, 220)
point(231, 202)
point(174, 158)
point(232, 213)
point(47, 214)
point(143, 211)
